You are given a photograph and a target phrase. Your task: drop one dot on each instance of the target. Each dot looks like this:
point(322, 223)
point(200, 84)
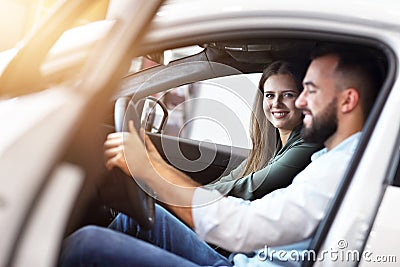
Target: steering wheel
point(120, 191)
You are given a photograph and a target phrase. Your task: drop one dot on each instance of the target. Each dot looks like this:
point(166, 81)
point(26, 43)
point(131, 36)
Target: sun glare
point(18, 17)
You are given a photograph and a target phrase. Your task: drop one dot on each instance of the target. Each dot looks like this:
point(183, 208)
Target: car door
point(47, 151)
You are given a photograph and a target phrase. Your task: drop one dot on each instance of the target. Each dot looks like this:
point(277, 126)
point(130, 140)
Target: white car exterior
point(367, 217)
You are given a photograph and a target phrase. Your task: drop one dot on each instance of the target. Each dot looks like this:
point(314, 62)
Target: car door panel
point(192, 157)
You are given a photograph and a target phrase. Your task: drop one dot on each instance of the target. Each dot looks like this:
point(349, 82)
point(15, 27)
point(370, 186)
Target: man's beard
point(323, 126)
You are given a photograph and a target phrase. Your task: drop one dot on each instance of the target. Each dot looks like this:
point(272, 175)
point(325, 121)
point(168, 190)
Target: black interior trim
point(226, 157)
point(183, 71)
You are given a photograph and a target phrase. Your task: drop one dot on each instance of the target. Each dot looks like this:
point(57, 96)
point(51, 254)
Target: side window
point(216, 110)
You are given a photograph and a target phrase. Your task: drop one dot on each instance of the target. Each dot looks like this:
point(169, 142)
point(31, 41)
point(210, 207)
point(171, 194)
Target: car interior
point(217, 59)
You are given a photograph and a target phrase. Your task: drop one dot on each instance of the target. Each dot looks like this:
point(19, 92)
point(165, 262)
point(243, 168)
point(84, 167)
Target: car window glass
point(216, 110)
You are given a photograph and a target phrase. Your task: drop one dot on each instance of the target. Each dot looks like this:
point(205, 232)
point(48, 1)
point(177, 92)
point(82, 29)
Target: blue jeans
point(168, 243)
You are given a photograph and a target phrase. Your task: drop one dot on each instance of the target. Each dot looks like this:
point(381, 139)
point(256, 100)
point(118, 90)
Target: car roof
point(187, 20)
point(368, 11)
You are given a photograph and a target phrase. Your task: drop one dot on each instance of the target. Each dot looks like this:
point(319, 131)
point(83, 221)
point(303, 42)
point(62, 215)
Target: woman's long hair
point(264, 136)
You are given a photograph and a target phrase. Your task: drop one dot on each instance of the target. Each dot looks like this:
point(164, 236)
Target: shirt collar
point(344, 145)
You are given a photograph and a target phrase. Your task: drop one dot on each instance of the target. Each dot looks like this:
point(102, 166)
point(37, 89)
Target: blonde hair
point(264, 136)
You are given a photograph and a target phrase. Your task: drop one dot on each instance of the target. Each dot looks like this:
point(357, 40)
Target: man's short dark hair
point(359, 67)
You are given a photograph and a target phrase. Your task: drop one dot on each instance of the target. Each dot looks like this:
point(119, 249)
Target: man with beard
point(339, 89)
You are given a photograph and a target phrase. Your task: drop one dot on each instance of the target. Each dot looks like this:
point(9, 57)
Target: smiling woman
point(282, 85)
point(264, 170)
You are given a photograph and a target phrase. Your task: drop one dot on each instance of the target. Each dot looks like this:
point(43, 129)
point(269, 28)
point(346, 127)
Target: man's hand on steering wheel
point(126, 151)
point(120, 144)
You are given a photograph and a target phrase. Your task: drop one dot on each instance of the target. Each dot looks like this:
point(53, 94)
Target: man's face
point(318, 101)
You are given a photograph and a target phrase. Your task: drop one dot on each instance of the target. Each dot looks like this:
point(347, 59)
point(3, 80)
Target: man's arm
point(284, 216)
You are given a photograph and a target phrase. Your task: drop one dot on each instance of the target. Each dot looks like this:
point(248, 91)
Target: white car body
point(367, 217)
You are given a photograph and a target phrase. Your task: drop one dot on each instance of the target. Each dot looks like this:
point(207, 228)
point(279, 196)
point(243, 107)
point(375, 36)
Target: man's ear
point(350, 99)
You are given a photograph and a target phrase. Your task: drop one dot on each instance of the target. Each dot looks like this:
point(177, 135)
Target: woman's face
point(280, 93)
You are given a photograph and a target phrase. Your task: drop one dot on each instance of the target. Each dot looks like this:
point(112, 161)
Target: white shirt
point(282, 217)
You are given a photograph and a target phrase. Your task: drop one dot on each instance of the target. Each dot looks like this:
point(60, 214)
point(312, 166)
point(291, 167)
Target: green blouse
point(279, 171)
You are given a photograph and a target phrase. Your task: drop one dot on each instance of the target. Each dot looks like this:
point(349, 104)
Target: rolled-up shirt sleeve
point(279, 218)
point(242, 226)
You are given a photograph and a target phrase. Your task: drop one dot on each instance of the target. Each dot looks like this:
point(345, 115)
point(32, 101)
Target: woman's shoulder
point(300, 143)
point(297, 143)
point(296, 140)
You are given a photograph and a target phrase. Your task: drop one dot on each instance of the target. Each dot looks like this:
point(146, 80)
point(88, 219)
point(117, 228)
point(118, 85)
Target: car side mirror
point(154, 116)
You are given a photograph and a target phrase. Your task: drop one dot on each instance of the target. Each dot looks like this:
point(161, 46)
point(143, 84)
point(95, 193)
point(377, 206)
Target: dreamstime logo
point(342, 244)
point(339, 254)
